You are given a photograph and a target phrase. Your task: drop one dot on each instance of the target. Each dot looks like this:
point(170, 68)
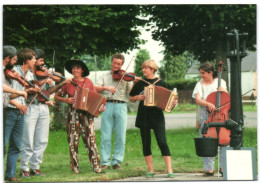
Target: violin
point(43, 72)
point(222, 102)
point(117, 75)
point(12, 74)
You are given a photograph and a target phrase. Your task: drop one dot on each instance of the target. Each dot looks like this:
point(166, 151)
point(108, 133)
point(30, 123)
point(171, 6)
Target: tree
point(72, 30)
point(173, 67)
point(201, 29)
point(142, 56)
point(102, 63)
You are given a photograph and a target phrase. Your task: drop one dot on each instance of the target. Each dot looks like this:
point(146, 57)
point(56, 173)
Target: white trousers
point(35, 136)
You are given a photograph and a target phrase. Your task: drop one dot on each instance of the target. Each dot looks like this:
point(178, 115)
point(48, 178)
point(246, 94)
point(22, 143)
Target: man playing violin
point(36, 122)
point(115, 115)
point(9, 60)
point(14, 113)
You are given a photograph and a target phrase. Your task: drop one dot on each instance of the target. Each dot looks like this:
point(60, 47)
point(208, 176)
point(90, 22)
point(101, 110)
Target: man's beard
point(9, 66)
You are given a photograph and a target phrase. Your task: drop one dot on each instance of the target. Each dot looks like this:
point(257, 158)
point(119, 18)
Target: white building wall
point(247, 82)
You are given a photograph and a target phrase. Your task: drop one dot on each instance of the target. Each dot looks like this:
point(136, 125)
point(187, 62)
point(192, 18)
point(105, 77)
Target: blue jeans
point(13, 131)
point(113, 118)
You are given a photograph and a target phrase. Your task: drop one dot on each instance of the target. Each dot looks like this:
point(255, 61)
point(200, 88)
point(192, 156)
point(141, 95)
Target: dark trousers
point(160, 138)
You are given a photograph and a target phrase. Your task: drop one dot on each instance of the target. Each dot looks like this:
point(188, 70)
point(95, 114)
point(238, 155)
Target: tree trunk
point(221, 56)
point(60, 116)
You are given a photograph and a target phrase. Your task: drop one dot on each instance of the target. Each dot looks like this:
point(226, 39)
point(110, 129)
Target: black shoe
point(221, 172)
point(206, 174)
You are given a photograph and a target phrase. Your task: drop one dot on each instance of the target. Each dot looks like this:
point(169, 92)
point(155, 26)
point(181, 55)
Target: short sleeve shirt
point(122, 92)
point(207, 89)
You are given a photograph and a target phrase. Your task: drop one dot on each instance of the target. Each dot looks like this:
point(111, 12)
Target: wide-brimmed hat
point(69, 64)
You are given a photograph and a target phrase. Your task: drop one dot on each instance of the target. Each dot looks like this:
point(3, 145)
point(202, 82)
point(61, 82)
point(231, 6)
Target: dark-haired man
point(36, 123)
point(14, 113)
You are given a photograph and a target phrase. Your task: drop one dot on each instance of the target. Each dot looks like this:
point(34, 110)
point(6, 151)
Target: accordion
point(160, 97)
point(88, 100)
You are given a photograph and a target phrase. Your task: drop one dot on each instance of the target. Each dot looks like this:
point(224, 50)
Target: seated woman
point(79, 121)
point(151, 118)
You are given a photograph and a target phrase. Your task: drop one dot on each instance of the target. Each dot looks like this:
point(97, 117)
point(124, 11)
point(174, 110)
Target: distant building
point(248, 75)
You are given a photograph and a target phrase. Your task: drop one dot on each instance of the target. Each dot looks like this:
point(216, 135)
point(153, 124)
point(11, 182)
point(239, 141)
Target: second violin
point(43, 72)
point(117, 75)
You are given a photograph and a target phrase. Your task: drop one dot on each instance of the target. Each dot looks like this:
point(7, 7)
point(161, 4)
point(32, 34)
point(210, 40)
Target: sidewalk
point(179, 177)
point(182, 120)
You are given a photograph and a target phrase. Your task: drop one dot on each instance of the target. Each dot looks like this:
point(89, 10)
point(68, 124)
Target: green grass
point(56, 163)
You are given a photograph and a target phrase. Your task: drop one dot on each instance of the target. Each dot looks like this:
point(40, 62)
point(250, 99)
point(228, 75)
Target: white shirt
point(207, 89)
point(122, 92)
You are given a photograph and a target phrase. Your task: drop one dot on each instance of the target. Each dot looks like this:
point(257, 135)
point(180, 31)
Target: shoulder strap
point(84, 82)
point(156, 81)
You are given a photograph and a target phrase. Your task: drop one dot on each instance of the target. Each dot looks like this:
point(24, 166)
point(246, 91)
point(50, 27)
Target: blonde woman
point(151, 118)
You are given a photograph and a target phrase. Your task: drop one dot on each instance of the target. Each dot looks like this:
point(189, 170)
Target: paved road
point(178, 177)
point(184, 120)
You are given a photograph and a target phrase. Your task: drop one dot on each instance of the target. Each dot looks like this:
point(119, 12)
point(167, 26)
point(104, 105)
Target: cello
point(222, 102)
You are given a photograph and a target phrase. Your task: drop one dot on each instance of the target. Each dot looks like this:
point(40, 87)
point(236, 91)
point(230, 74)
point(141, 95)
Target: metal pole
point(236, 93)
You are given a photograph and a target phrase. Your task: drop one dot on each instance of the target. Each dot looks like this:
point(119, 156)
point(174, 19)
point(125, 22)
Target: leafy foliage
point(142, 56)
point(72, 29)
point(201, 29)
point(173, 67)
point(96, 63)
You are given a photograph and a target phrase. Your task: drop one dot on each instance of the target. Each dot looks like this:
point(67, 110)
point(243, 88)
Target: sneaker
point(24, 174)
point(171, 175)
point(149, 175)
point(36, 172)
point(117, 167)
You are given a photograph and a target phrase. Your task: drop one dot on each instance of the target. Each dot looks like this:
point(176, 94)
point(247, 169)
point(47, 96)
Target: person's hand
point(112, 89)
point(70, 100)
point(139, 97)
point(175, 103)
point(50, 103)
point(69, 80)
point(137, 79)
point(36, 89)
point(22, 93)
point(22, 108)
point(103, 109)
point(211, 107)
point(50, 81)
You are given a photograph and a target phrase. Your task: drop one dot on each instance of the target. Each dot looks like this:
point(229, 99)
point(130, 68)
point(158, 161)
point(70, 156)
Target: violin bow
point(44, 82)
point(125, 72)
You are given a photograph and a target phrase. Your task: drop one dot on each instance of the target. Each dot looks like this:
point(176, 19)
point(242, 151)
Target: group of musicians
point(27, 119)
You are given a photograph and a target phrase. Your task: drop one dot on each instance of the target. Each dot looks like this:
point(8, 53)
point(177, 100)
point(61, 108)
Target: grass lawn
point(56, 163)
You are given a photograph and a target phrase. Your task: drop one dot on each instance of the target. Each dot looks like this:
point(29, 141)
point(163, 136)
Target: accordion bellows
point(160, 97)
point(89, 100)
